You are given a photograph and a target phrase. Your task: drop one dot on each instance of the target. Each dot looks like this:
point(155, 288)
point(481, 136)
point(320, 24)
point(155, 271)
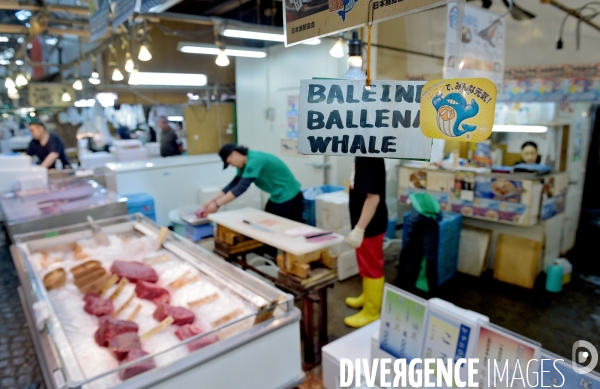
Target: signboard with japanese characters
point(402, 323)
point(305, 20)
point(458, 109)
point(50, 95)
point(98, 18)
point(343, 117)
point(482, 45)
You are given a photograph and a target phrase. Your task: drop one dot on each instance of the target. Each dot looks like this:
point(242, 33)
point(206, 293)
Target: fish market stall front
point(129, 305)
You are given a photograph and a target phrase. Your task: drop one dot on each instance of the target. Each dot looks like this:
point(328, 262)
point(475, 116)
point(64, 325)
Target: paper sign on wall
point(458, 109)
point(343, 117)
point(305, 20)
point(50, 95)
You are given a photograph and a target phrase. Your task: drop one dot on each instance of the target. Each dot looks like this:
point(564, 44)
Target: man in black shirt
point(47, 147)
point(170, 144)
point(368, 216)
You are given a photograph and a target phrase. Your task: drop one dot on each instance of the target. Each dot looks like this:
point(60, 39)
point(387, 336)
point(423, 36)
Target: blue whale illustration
point(348, 5)
point(463, 111)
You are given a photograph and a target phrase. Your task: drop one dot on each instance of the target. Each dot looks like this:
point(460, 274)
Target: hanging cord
point(370, 14)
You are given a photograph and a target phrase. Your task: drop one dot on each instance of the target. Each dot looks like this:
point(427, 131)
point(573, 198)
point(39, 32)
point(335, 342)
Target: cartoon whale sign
point(458, 109)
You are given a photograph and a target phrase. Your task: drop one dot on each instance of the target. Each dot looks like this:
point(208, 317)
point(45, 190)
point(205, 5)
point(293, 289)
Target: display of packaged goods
point(155, 306)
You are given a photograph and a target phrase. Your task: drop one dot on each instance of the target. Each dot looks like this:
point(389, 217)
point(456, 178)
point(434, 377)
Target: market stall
point(230, 319)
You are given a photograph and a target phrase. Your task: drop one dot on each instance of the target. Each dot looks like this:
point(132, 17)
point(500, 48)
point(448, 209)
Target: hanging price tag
point(458, 109)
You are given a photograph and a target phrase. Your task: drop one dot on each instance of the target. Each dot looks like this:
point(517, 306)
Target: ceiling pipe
point(573, 12)
point(15, 6)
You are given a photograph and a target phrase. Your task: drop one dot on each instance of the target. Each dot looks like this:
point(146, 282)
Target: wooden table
point(309, 290)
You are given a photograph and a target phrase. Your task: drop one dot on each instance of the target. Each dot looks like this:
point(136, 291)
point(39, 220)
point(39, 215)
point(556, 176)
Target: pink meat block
point(109, 328)
point(138, 368)
point(134, 271)
point(123, 343)
point(154, 293)
point(189, 330)
point(181, 316)
point(97, 306)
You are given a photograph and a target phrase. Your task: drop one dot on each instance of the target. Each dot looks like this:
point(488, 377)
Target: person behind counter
point(368, 216)
point(529, 153)
point(170, 144)
point(267, 172)
point(47, 147)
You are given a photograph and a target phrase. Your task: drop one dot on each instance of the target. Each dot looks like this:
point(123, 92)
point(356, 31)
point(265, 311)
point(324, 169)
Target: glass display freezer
point(249, 333)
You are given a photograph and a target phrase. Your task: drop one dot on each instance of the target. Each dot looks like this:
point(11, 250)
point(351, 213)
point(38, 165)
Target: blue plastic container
point(310, 195)
point(142, 203)
point(448, 245)
point(554, 276)
point(196, 233)
point(391, 228)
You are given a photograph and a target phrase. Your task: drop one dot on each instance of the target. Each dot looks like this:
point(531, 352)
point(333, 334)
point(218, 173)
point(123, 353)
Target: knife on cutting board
point(99, 235)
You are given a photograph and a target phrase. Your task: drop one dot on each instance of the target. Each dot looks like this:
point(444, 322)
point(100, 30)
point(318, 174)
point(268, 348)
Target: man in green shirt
point(268, 173)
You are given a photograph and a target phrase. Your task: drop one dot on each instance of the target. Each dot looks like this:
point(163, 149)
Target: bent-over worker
point(47, 147)
point(267, 172)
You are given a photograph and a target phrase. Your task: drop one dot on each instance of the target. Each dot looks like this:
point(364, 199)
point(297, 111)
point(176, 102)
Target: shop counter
point(522, 205)
point(260, 342)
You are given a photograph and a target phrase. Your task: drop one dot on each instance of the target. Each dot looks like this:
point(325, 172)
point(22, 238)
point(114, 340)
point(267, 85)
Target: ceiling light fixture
point(144, 54)
point(170, 79)
point(175, 118)
point(66, 96)
point(117, 75)
point(244, 34)
point(21, 80)
point(312, 42)
point(4, 62)
point(520, 128)
point(23, 15)
point(337, 51)
point(9, 83)
point(4, 39)
point(78, 85)
point(230, 51)
point(129, 65)
point(19, 62)
point(222, 59)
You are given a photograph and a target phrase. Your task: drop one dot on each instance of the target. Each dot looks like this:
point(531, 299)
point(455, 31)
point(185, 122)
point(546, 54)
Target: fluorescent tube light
point(4, 39)
point(263, 36)
point(522, 128)
point(167, 79)
point(233, 51)
point(85, 103)
point(175, 118)
point(312, 42)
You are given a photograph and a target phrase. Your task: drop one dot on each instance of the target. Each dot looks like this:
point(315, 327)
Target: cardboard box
point(331, 211)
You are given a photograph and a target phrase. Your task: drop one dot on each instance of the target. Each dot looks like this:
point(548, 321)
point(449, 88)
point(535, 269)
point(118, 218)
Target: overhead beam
point(15, 6)
point(226, 6)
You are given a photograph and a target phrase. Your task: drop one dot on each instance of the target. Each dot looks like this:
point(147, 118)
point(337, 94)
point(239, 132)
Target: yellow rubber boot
point(356, 302)
point(373, 294)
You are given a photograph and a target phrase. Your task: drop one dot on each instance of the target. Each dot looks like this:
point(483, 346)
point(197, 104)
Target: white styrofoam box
point(342, 247)
point(32, 182)
point(331, 210)
point(94, 160)
point(152, 149)
point(347, 265)
point(9, 178)
point(353, 346)
point(129, 150)
point(15, 161)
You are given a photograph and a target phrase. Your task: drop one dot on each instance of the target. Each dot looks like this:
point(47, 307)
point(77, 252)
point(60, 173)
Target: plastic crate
point(142, 203)
point(310, 195)
point(448, 245)
point(196, 233)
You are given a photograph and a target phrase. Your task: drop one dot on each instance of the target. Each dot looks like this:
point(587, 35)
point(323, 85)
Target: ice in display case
point(248, 333)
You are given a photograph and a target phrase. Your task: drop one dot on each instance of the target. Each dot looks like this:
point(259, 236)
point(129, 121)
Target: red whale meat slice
point(123, 343)
point(97, 306)
point(138, 368)
point(109, 328)
point(181, 316)
point(154, 293)
point(134, 271)
point(189, 330)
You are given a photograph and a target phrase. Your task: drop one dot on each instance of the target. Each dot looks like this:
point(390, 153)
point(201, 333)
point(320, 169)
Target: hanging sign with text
point(458, 109)
point(343, 117)
point(305, 20)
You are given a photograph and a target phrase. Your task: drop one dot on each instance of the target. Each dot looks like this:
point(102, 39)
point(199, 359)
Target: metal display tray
point(60, 366)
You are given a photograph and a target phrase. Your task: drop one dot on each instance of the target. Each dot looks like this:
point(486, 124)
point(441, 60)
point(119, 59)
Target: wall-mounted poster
point(498, 189)
point(483, 36)
point(402, 323)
